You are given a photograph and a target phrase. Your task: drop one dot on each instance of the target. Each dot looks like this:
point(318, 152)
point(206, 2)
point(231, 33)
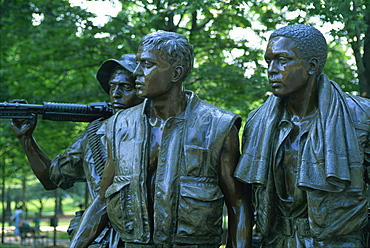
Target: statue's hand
point(23, 127)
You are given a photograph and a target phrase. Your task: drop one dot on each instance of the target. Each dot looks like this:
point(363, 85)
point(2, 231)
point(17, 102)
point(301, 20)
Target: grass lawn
point(69, 208)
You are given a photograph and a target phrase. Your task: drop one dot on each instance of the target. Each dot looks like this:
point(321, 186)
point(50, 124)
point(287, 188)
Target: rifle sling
point(99, 153)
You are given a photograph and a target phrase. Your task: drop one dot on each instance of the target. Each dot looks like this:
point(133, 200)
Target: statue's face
point(153, 74)
point(122, 91)
point(287, 71)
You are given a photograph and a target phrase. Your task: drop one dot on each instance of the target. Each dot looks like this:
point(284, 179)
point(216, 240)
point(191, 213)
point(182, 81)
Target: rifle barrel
point(56, 111)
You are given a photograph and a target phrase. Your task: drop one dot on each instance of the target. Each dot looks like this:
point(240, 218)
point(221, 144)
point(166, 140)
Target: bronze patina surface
point(306, 150)
point(170, 161)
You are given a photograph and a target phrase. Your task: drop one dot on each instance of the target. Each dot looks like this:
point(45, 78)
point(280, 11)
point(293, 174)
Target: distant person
point(36, 221)
point(18, 218)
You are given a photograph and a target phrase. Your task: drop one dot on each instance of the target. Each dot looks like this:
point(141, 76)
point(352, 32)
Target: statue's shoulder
point(203, 109)
point(222, 116)
point(135, 110)
point(359, 108)
point(96, 123)
point(271, 105)
point(206, 106)
point(125, 117)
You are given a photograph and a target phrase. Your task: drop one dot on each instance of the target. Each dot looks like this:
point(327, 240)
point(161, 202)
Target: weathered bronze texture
point(55, 111)
point(170, 161)
point(85, 159)
point(306, 150)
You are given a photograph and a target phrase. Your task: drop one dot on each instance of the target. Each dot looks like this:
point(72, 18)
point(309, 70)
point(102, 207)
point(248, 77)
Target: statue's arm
point(95, 218)
point(39, 161)
point(237, 195)
point(367, 158)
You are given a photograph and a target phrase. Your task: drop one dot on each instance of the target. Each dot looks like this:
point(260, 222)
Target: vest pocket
point(119, 206)
point(200, 208)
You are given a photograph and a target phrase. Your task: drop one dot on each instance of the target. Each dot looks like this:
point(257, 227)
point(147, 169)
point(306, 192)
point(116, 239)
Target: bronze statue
point(85, 159)
point(306, 150)
point(170, 161)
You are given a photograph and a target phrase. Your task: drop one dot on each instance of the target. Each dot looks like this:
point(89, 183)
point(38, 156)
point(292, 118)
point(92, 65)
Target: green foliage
point(226, 86)
point(207, 24)
point(45, 56)
point(51, 51)
point(50, 57)
point(339, 68)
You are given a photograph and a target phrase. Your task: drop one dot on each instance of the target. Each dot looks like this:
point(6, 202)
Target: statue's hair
point(310, 42)
point(173, 47)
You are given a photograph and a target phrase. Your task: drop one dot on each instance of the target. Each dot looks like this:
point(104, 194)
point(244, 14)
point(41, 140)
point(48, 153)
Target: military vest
point(188, 200)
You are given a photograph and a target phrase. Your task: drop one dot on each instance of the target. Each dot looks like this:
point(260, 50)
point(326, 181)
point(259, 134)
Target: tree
point(69, 67)
point(207, 24)
point(44, 57)
point(48, 59)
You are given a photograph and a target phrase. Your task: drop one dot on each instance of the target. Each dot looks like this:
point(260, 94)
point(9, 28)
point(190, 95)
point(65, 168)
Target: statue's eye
point(148, 64)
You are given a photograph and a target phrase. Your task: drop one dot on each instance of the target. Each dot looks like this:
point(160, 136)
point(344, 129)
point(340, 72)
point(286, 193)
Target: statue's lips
point(275, 84)
point(117, 105)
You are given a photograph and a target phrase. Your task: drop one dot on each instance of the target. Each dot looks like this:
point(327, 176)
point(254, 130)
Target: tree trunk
point(24, 196)
point(354, 32)
point(8, 203)
point(3, 204)
point(60, 207)
point(40, 208)
point(365, 86)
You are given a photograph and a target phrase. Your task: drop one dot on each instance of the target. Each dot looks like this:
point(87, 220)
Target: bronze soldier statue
point(170, 161)
point(85, 159)
point(306, 150)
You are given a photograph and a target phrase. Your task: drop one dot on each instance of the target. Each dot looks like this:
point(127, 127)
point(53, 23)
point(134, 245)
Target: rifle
point(56, 111)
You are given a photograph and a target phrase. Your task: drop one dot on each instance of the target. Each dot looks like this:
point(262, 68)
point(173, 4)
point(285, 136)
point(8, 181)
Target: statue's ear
point(178, 72)
point(314, 64)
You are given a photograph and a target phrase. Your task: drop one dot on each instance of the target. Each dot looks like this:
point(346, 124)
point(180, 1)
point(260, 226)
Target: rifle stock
point(56, 111)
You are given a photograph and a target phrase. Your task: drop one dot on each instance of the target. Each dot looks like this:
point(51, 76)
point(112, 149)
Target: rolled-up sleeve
point(67, 168)
point(367, 157)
